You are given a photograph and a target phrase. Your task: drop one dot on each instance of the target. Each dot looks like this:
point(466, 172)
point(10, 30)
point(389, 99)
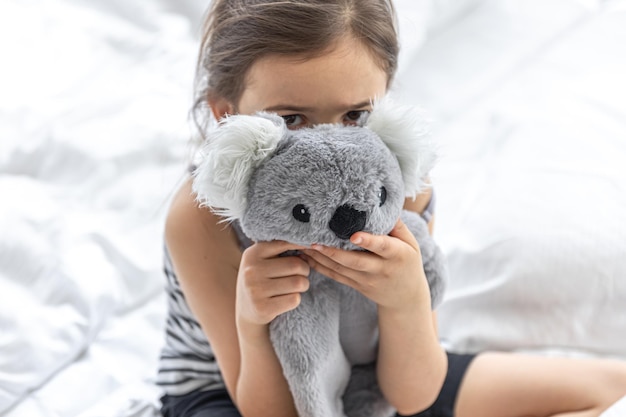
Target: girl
point(323, 61)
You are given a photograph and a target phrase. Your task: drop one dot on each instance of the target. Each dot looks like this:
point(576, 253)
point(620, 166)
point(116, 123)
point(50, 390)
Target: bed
point(527, 102)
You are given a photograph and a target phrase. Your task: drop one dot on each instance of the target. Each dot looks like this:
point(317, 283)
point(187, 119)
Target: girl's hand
point(269, 284)
point(391, 273)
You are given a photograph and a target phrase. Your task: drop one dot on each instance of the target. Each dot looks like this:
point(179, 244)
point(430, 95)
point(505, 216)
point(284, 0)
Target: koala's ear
point(404, 130)
point(234, 149)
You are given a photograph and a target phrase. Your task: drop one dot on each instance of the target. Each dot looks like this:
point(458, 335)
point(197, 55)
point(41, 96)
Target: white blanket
point(527, 98)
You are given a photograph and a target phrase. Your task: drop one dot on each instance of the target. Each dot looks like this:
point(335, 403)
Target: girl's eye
point(293, 121)
point(352, 117)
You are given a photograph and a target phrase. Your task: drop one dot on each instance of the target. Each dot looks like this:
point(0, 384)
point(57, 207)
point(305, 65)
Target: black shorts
point(217, 403)
point(214, 403)
point(444, 404)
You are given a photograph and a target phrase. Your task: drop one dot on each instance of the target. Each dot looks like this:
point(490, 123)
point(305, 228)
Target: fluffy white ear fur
point(235, 148)
point(405, 132)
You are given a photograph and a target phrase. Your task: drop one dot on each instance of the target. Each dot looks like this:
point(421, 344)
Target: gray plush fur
point(346, 179)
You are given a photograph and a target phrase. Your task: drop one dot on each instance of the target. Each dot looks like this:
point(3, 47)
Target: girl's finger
point(383, 246)
point(376, 244)
point(274, 248)
point(279, 267)
point(288, 285)
point(279, 287)
point(333, 273)
point(354, 260)
point(402, 232)
point(283, 303)
point(325, 260)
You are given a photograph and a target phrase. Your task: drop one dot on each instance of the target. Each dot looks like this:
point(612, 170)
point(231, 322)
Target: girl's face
point(336, 87)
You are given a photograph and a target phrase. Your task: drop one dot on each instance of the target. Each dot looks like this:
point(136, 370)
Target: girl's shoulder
point(197, 232)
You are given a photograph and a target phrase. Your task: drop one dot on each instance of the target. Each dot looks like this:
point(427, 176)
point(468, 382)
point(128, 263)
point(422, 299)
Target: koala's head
point(318, 184)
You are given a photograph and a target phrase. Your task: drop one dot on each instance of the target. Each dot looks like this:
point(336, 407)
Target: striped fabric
point(187, 362)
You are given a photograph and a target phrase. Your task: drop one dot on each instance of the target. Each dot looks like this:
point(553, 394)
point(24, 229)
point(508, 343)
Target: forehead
point(345, 75)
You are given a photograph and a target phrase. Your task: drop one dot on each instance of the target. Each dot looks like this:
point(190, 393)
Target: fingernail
point(357, 240)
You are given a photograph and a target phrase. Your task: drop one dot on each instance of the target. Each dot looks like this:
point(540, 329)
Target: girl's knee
point(610, 383)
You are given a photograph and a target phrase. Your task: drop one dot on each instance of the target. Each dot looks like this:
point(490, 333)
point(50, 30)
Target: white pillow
point(535, 234)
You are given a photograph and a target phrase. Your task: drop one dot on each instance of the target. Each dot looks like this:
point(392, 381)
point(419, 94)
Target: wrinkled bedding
point(527, 103)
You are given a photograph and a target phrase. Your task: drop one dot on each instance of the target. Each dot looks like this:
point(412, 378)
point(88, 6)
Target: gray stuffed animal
point(321, 185)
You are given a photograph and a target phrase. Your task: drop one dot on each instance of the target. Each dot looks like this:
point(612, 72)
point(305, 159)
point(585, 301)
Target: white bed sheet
point(93, 137)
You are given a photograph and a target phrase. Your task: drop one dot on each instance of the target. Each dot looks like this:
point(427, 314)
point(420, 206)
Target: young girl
point(324, 61)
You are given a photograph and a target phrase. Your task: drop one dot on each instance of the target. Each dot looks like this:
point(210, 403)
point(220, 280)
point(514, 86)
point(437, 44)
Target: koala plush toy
point(320, 185)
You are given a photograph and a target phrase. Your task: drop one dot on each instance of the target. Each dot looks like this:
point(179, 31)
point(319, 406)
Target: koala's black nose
point(347, 220)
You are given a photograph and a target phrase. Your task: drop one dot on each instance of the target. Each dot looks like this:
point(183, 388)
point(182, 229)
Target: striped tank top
point(187, 362)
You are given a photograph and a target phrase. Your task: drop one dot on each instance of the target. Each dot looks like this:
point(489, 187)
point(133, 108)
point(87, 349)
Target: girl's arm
point(419, 205)
point(402, 337)
point(206, 257)
point(411, 364)
point(404, 349)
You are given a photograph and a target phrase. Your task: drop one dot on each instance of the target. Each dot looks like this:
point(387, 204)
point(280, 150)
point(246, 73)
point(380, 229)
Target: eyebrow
point(308, 109)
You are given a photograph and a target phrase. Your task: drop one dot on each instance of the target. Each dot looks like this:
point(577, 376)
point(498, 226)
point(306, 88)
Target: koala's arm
point(206, 256)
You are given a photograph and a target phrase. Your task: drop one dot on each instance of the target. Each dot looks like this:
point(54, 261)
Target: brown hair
point(237, 33)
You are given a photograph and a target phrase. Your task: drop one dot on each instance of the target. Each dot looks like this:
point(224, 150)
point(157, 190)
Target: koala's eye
point(382, 196)
point(301, 213)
